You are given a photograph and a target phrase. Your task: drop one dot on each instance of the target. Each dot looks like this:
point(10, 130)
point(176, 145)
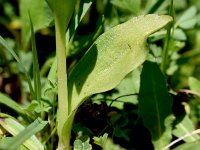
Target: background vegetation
point(156, 106)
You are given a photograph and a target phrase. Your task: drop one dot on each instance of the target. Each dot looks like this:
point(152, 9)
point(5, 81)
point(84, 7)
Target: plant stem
point(165, 53)
point(62, 82)
point(63, 11)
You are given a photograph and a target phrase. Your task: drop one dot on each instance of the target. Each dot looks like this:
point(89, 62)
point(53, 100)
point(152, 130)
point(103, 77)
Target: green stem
point(67, 127)
point(62, 83)
point(155, 6)
point(165, 53)
point(63, 11)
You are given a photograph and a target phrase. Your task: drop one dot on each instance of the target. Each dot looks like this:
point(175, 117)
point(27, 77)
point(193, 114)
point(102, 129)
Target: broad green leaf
point(155, 105)
point(189, 146)
point(43, 17)
point(11, 104)
point(194, 84)
point(129, 85)
point(184, 127)
point(21, 134)
point(112, 56)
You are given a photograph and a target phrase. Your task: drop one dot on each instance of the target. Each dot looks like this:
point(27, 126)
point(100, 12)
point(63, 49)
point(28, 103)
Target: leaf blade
point(43, 17)
point(113, 55)
point(22, 135)
point(184, 127)
point(6, 46)
point(36, 70)
point(194, 84)
point(155, 105)
point(11, 104)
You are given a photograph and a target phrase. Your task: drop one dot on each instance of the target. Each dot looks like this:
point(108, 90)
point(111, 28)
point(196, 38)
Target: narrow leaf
point(157, 4)
point(155, 105)
point(112, 56)
point(5, 45)
point(36, 71)
point(43, 17)
point(22, 135)
point(11, 104)
point(80, 10)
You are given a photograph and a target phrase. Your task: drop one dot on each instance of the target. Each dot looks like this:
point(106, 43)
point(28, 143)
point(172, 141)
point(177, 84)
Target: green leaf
point(101, 141)
point(188, 14)
point(22, 135)
point(189, 146)
point(155, 105)
point(188, 24)
point(62, 11)
point(109, 145)
point(121, 133)
point(188, 19)
point(32, 106)
point(49, 91)
point(129, 85)
point(179, 35)
point(155, 6)
point(43, 17)
point(185, 127)
point(80, 10)
point(128, 5)
point(5, 45)
point(79, 145)
point(112, 56)
point(36, 70)
point(194, 84)
point(11, 103)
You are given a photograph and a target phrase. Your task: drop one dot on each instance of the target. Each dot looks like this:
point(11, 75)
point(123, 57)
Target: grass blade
point(155, 6)
point(22, 135)
point(168, 40)
point(5, 45)
point(36, 71)
point(11, 104)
